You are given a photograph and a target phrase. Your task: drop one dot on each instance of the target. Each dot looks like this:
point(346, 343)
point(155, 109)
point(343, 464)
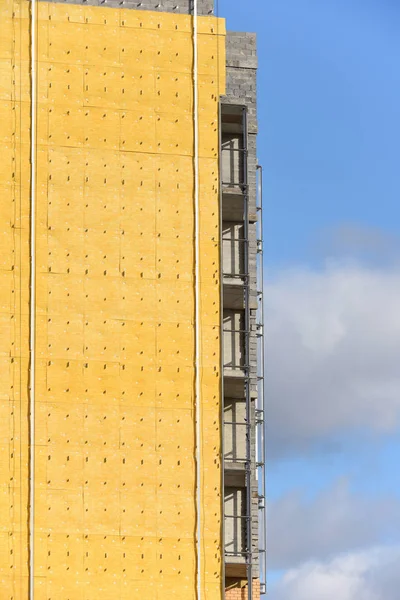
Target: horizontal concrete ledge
point(205, 7)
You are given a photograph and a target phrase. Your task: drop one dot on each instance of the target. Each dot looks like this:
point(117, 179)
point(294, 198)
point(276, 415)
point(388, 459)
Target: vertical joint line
point(32, 304)
point(197, 295)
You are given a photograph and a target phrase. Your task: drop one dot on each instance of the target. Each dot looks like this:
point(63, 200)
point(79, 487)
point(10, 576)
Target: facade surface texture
point(124, 456)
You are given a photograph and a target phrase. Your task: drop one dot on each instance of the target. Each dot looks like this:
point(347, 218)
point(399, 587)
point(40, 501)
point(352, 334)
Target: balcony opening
point(235, 523)
point(234, 342)
point(233, 248)
point(233, 146)
point(235, 430)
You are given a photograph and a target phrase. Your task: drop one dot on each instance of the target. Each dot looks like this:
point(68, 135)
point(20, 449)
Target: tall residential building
point(131, 346)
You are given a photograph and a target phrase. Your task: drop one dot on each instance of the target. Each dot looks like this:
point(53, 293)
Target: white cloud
point(369, 575)
point(336, 520)
point(333, 347)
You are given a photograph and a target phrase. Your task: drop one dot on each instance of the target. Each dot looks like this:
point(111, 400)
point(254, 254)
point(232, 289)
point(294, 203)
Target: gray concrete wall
point(205, 7)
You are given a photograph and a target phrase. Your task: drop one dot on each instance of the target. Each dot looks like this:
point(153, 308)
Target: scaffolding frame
point(245, 368)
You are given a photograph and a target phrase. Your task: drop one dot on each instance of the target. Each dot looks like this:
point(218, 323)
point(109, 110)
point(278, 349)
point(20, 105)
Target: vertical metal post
point(247, 326)
point(261, 421)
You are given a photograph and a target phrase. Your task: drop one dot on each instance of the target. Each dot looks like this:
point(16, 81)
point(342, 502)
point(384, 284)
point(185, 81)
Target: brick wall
point(235, 590)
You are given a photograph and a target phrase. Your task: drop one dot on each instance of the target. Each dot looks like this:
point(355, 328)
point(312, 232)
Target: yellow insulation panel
point(115, 350)
point(14, 297)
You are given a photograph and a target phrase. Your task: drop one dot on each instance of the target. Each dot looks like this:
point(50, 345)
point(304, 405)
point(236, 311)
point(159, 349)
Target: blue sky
point(329, 86)
point(329, 108)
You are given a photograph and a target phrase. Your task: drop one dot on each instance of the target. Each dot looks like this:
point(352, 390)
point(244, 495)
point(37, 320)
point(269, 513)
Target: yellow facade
point(115, 477)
